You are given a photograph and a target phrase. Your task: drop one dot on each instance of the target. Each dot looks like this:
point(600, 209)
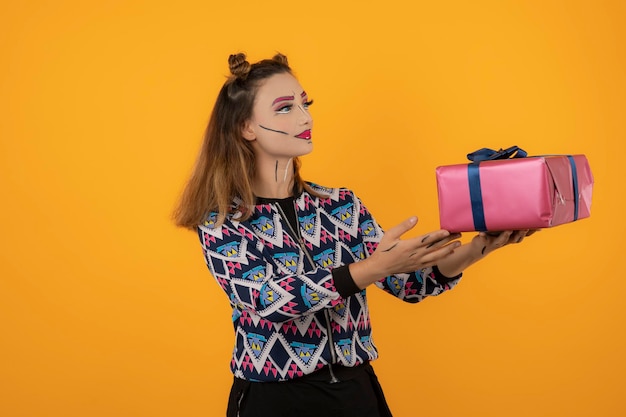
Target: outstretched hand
point(396, 255)
point(487, 242)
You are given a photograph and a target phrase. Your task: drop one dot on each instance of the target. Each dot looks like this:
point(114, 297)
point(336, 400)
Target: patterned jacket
point(288, 316)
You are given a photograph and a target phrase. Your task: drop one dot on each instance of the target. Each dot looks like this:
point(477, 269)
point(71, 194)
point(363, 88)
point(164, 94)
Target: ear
point(247, 131)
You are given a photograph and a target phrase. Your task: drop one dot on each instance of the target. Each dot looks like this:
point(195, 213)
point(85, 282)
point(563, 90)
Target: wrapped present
point(517, 192)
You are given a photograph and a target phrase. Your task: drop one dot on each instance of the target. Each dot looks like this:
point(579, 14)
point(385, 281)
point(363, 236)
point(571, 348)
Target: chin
point(310, 143)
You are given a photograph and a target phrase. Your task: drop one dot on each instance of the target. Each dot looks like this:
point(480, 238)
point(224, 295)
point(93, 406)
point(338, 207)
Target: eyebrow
point(284, 98)
point(303, 94)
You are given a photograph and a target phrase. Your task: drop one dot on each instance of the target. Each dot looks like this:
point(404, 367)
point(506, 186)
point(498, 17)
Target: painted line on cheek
point(272, 130)
point(276, 172)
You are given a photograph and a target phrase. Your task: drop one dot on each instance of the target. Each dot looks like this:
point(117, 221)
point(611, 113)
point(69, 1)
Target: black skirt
point(357, 394)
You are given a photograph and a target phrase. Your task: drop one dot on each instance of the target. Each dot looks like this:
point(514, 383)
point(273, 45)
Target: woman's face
point(280, 127)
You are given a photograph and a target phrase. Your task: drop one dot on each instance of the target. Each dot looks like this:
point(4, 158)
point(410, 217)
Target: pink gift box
point(513, 194)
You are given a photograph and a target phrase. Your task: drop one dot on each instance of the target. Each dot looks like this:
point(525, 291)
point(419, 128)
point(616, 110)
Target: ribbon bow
point(486, 154)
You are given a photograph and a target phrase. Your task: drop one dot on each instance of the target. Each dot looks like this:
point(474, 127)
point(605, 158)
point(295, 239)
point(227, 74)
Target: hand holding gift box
point(506, 190)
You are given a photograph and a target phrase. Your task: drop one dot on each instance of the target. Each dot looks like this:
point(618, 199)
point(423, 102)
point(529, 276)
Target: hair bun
point(280, 58)
point(239, 67)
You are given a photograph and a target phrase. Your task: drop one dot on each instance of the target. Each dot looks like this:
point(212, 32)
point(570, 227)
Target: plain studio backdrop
point(107, 309)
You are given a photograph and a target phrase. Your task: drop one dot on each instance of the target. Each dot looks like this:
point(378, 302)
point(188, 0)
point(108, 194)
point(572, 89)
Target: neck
point(274, 178)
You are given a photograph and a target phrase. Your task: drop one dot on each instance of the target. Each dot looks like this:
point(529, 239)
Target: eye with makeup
point(284, 109)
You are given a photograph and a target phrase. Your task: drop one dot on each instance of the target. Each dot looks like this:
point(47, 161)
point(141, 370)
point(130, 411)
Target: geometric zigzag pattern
point(279, 300)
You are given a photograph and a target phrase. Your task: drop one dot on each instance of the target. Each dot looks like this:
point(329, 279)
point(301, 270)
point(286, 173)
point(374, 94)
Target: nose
point(305, 116)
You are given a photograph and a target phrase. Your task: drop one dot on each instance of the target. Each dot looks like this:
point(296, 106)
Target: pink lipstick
point(305, 135)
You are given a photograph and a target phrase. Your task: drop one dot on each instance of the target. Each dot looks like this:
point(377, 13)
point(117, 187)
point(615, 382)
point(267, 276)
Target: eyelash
point(287, 108)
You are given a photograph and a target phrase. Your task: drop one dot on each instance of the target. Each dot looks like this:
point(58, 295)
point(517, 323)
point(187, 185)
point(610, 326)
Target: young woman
point(295, 258)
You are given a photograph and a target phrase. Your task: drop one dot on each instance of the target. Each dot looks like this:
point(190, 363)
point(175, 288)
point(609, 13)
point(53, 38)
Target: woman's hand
point(487, 242)
point(395, 255)
point(481, 245)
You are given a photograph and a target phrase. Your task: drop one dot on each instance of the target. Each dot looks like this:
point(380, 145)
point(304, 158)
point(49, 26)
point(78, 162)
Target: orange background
point(106, 309)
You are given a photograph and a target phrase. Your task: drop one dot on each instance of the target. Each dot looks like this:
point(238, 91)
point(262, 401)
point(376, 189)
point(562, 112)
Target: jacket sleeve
point(412, 287)
point(247, 271)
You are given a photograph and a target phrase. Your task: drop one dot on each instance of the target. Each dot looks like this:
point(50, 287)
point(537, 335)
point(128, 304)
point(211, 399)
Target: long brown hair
point(226, 164)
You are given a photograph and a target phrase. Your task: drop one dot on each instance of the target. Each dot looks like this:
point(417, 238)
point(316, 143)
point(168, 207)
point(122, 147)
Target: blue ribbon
point(572, 163)
point(473, 177)
point(476, 197)
point(486, 154)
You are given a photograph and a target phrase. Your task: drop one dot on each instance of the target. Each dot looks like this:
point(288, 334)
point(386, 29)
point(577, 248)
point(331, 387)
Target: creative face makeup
point(281, 124)
point(284, 105)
